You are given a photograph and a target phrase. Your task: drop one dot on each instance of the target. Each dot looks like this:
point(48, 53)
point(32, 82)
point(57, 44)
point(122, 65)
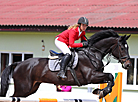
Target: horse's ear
point(123, 37)
point(128, 37)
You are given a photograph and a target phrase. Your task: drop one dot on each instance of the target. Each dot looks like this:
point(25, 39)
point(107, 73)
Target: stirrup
point(61, 74)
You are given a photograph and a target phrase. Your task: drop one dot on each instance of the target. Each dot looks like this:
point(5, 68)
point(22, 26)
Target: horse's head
point(108, 41)
point(120, 51)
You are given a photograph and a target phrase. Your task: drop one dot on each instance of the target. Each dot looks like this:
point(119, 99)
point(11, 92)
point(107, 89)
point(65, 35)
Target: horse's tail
point(5, 77)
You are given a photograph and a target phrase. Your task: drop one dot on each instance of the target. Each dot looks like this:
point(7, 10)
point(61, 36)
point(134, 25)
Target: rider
point(66, 39)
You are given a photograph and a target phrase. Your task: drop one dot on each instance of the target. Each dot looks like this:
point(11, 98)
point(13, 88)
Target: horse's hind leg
point(34, 88)
point(25, 89)
point(21, 88)
point(100, 77)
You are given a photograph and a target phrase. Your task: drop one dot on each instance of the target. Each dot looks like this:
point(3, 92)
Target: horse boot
point(63, 64)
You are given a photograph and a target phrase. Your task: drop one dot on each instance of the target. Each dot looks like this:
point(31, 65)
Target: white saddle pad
point(54, 63)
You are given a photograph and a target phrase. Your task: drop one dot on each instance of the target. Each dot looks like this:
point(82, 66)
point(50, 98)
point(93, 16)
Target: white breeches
point(62, 47)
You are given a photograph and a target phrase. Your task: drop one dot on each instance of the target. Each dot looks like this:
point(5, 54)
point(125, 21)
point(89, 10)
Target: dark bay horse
point(29, 74)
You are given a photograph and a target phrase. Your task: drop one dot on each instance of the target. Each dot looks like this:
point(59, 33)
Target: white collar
point(79, 31)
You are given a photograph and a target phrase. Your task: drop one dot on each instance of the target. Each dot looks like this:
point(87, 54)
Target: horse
point(29, 74)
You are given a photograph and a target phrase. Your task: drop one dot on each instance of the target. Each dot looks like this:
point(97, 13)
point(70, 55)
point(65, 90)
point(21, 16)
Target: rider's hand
point(85, 44)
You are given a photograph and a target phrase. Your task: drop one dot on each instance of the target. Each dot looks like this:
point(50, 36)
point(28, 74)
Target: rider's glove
point(85, 44)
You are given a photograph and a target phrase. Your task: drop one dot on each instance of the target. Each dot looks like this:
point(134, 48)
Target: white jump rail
point(17, 99)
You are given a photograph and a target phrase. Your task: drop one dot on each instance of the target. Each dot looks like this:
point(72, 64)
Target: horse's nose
point(128, 65)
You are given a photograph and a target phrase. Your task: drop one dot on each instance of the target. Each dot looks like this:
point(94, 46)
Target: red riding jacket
point(70, 36)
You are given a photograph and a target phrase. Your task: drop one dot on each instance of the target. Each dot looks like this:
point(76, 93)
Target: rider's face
point(83, 27)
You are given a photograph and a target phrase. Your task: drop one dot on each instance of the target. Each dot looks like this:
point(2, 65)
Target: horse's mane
point(101, 35)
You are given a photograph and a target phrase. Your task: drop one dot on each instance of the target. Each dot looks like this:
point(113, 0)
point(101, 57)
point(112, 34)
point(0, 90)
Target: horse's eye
point(122, 48)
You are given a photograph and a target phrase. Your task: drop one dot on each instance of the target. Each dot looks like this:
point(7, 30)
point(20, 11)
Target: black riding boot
point(63, 64)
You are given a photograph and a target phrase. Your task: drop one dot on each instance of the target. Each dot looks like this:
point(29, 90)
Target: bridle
point(121, 58)
point(109, 52)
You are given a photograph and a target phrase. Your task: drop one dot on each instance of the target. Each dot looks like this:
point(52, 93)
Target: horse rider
point(66, 40)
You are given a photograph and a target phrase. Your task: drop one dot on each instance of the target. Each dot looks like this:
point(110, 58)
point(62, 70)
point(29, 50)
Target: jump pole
point(116, 94)
point(17, 99)
point(47, 100)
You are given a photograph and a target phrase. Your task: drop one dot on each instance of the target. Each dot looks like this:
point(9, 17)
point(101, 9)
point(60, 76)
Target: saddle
point(55, 59)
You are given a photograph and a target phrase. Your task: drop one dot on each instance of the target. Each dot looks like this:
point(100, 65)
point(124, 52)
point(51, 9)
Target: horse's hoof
point(96, 91)
point(101, 95)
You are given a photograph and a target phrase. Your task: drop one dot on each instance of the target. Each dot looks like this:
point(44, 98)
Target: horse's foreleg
point(100, 77)
point(107, 89)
